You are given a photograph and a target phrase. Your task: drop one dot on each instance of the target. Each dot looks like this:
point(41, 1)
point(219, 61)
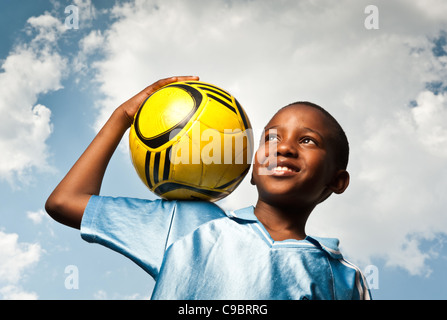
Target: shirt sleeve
point(136, 228)
point(142, 229)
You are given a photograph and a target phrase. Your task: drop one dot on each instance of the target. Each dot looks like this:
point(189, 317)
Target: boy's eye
point(308, 141)
point(271, 137)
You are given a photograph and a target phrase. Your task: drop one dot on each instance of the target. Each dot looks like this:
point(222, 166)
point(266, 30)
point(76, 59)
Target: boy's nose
point(286, 148)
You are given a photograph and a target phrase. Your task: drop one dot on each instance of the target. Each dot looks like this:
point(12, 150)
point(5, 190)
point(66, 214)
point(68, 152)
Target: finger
point(186, 78)
point(166, 81)
point(141, 96)
point(163, 82)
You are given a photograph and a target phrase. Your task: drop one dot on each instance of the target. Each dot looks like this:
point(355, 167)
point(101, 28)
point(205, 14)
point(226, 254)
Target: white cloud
point(430, 116)
point(12, 292)
point(41, 218)
point(36, 216)
point(93, 41)
point(48, 28)
point(15, 259)
point(87, 12)
point(31, 69)
point(89, 45)
point(269, 54)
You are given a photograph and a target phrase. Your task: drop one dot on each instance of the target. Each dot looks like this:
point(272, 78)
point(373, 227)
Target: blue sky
point(386, 86)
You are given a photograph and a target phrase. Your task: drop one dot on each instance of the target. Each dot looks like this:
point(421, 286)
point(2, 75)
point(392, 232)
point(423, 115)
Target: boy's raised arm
point(67, 202)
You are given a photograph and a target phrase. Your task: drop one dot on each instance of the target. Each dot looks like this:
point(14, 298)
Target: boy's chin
point(278, 197)
point(283, 197)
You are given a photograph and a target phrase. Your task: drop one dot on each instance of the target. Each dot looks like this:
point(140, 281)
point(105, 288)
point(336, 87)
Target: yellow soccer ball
point(191, 141)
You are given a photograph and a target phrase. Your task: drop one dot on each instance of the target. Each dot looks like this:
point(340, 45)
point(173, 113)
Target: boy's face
point(294, 163)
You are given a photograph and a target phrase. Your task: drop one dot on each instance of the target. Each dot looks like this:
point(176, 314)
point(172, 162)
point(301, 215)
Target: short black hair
point(340, 139)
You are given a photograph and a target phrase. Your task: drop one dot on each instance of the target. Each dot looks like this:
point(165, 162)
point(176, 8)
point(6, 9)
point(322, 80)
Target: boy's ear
point(340, 182)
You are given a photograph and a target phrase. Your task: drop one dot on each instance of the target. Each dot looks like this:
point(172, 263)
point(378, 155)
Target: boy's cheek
point(264, 151)
point(261, 156)
point(260, 164)
point(257, 161)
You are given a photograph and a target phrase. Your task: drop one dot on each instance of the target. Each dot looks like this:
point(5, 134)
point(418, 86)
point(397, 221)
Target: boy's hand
point(130, 107)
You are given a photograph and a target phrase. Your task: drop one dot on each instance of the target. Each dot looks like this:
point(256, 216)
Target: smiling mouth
point(283, 171)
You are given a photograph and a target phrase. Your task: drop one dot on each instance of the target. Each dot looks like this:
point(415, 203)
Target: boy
point(194, 250)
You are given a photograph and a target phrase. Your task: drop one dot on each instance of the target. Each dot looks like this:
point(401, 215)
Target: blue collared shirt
point(195, 250)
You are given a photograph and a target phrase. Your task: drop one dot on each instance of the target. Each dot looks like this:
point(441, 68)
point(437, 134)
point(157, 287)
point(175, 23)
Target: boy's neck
point(282, 222)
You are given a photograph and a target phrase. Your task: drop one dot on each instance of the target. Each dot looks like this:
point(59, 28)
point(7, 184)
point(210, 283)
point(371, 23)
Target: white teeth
point(282, 169)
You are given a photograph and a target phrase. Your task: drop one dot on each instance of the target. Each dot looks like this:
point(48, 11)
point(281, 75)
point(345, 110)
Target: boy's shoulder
point(202, 211)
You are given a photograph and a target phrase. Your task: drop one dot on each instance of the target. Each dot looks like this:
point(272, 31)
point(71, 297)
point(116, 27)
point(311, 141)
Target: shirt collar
point(247, 213)
point(329, 245)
